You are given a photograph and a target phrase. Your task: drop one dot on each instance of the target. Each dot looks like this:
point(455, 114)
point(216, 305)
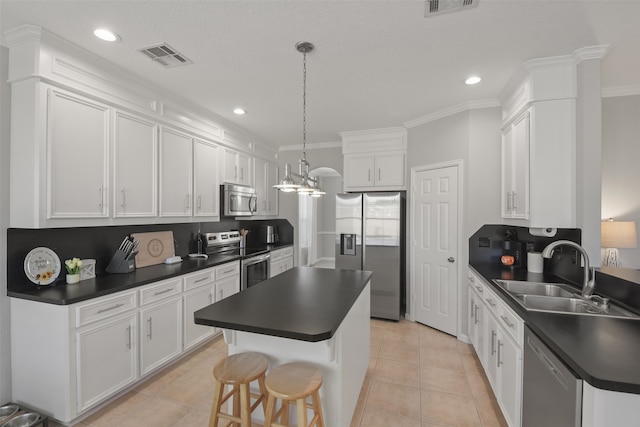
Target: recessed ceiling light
point(239, 111)
point(473, 80)
point(106, 35)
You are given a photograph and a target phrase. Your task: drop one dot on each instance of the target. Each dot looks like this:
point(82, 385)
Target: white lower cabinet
point(90, 351)
point(281, 261)
point(107, 359)
point(160, 333)
point(497, 335)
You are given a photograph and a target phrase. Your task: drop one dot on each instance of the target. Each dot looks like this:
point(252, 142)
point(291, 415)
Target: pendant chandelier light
point(301, 182)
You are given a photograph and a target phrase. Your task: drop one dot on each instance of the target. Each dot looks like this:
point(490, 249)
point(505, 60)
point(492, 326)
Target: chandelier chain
point(304, 105)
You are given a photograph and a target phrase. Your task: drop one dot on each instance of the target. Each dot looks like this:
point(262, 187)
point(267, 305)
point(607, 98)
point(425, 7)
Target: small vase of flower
point(73, 267)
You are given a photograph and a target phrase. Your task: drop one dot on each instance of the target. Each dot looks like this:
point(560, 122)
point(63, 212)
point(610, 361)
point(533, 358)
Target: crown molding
point(314, 146)
point(611, 92)
point(590, 52)
point(466, 106)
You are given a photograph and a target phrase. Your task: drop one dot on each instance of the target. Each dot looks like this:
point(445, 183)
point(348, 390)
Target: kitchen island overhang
point(320, 316)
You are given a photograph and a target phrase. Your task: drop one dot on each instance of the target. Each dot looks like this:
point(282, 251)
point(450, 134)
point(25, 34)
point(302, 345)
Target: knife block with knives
point(123, 261)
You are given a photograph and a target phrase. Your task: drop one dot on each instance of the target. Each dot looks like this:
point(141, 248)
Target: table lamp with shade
point(617, 235)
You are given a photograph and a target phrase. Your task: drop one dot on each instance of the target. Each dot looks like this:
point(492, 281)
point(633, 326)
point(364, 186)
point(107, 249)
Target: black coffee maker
point(512, 251)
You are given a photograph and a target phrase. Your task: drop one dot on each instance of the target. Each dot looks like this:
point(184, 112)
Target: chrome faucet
point(588, 282)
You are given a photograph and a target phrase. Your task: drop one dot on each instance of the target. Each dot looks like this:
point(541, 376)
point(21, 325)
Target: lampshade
point(619, 234)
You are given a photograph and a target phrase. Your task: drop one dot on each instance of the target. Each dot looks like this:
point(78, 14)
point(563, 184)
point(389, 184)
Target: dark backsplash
point(565, 262)
point(623, 285)
point(100, 243)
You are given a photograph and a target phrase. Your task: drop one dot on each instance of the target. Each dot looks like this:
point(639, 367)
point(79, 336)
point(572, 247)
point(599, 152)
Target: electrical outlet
point(484, 242)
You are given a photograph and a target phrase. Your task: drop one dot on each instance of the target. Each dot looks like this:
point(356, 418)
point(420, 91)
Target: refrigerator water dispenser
point(348, 244)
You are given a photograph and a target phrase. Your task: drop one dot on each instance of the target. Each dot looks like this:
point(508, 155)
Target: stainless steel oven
point(255, 269)
point(238, 200)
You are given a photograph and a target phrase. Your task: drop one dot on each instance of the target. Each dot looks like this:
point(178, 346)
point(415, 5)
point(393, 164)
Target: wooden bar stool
point(294, 383)
point(238, 371)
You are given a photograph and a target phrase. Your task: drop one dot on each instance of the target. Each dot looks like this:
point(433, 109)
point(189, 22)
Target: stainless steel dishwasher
point(551, 393)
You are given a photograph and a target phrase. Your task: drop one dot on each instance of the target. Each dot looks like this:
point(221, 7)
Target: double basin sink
point(560, 298)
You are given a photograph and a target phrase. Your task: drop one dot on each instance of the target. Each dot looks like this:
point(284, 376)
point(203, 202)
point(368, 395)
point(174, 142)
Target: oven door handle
point(256, 259)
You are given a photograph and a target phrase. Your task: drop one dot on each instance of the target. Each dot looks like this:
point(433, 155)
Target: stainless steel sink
point(536, 288)
point(559, 298)
point(574, 305)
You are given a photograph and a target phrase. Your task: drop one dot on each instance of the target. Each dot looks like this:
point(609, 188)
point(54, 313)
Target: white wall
point(474, 137)
point(5, 334)
point(588, 156)
point(620, 169)
point(327, 216)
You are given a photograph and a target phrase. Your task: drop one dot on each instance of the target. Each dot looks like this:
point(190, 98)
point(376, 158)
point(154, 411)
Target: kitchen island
point(316, 315)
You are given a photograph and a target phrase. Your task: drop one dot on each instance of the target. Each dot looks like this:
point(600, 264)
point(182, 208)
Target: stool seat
point(238, 371)
point(240, 368)
point(294, 383)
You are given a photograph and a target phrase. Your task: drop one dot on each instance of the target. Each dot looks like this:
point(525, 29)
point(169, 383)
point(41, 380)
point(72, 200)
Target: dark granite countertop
point(63, 294)
point(303, 303)
point(602, 351)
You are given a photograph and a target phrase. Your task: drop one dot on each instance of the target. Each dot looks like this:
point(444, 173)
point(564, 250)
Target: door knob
point(451, 259)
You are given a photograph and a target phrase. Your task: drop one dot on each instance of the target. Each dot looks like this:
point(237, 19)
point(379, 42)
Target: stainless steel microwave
point(238, 200)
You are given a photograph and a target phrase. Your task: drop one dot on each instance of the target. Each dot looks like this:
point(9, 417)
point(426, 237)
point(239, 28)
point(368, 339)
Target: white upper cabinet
point(539, 146)
point(381, 171)
point(265, 177)
point(176, 191)
point(77, 150)
point(135, 154)
point(515, 169)
point(205, 179)
point(375, 159)
point(236, 167)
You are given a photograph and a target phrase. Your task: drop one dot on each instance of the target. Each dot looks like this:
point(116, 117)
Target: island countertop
point(303, 303)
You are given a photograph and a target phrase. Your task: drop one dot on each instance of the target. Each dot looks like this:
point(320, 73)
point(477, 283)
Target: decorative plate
point(42, 266)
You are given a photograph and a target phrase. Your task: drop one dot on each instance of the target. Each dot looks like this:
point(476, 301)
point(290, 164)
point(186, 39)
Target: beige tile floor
point(417, 377)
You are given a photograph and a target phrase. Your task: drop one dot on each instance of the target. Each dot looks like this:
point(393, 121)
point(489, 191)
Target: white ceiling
point(376, 63)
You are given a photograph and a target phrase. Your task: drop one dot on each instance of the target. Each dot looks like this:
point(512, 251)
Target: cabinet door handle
point(210, 298)
point(472, 280)
point(369, 179)
point(493, 342)
point(202, 279)
point(199, 202)
point(379, 174)
point(113, 307)
point(508, 201)
point(499, 358)
point(150, 334)
point(101, 198)
point(480, 289)
point(235, 172)
point(220, 294)
point(471, 312)
point(476, 315)
point(506, 320)
point(228, 271)
point(269, 205)
point(123, 198)
point(491, 302)
point(514, 202)
point(241, 174)
point(129, 337)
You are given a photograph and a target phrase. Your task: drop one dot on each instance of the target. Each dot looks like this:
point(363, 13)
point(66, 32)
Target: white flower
point(73, 265)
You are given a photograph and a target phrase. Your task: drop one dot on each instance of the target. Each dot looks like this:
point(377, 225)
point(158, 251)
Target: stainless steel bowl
point(27, 419)
point(8, 411)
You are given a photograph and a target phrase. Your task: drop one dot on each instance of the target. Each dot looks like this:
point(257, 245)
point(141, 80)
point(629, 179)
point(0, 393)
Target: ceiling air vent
point(165, 55)
point(435, 7)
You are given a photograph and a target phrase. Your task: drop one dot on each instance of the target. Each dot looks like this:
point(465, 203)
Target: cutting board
point(154, 247)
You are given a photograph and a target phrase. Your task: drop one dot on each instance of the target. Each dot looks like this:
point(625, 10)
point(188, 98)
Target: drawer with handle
point(160, 290)
point(226, 270)
point(198, 279)
point(511, 322)
point(87, 313)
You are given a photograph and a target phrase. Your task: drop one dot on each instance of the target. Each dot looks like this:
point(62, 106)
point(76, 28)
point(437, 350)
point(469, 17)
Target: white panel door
point(435, 247)
point(205, 179)
point(176, 174)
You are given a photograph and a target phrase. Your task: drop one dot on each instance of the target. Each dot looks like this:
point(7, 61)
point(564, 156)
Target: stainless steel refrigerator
point(370, 235)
